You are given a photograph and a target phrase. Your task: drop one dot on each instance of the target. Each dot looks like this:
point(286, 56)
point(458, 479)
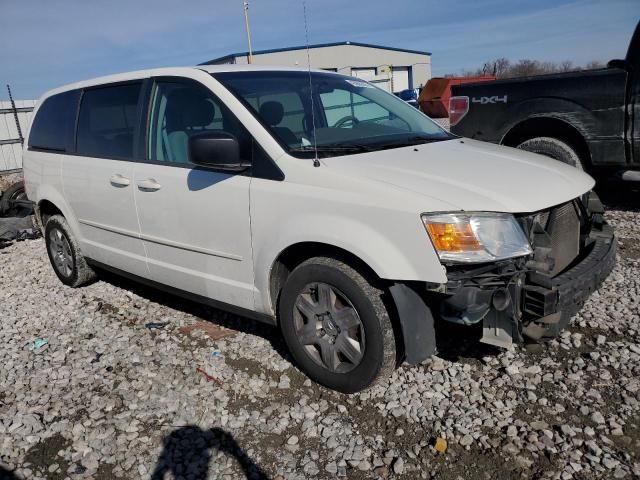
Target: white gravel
point(107, 397)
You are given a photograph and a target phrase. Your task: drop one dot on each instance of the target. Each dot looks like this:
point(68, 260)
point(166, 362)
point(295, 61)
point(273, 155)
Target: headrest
point(189, 108)
point(272, 112)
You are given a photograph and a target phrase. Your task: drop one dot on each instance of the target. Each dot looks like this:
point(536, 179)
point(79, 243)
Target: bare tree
point(503, 68)
point(593, 65)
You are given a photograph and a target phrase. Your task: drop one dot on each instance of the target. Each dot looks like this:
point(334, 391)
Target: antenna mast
point(316, 162)
point(246, 26)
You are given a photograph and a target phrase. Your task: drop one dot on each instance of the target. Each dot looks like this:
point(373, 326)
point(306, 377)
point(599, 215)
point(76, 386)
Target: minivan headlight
point(476, 237)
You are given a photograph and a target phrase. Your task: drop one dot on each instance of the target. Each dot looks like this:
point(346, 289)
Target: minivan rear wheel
point(336, 325)
point(64, 254)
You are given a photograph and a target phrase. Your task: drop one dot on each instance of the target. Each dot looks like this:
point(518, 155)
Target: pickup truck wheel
point(336, 325)
point(554, 148)
point(64, 254)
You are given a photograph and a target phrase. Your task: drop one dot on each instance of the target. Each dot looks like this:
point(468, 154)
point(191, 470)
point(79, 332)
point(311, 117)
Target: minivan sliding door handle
point(118, 180)
point(149, 185)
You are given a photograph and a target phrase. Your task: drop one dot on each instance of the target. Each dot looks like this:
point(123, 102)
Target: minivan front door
point(98, 179)
point(194, 222)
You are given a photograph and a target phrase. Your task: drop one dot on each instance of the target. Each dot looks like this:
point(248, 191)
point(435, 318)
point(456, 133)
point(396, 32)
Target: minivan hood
point(471, 175)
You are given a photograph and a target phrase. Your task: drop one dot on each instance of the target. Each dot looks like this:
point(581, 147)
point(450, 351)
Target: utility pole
point(246, 24)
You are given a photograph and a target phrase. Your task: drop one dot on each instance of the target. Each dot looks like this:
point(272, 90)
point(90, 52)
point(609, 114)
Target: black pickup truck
point(590, 119)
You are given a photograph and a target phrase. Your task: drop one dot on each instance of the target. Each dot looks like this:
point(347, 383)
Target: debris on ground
point(156, 325)
point(37, 344)
point(18, 228)
point(213, 331)
point(440, 445)
point(210, 378)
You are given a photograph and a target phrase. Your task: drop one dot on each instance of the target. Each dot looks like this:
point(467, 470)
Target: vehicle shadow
point(7, 474)
point(457, 343)
point(454, 342)
point(188, 452)
point(619, 196)
point(201, 311)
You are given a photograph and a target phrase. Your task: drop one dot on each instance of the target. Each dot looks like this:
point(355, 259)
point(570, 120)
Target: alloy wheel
point(329, 327)
point(60, 252)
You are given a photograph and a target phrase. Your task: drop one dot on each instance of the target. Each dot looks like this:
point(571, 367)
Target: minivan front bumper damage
point(531, 297)
point(535, 297)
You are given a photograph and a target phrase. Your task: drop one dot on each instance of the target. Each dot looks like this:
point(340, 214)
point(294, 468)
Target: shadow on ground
point(7, 474)
point(189, 451)
point(204, 312)
point(619, 195)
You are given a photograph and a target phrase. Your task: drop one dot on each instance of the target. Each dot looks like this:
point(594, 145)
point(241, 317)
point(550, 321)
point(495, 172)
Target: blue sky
point(49, 43)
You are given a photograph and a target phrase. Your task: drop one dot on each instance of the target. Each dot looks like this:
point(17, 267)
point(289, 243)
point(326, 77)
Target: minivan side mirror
point(219, 150)
point(617, 63)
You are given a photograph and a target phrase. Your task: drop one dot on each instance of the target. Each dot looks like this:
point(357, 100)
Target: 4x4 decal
point(486, 100)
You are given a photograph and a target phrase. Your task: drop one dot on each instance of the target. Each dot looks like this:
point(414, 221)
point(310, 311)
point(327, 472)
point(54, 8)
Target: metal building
point(393, 69)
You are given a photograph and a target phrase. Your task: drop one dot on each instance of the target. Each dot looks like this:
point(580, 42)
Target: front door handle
point(118, 180)
point(149, 185)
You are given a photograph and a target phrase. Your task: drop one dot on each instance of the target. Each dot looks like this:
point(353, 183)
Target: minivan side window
point(52, 128)
point(108, 120)
point(182, 109)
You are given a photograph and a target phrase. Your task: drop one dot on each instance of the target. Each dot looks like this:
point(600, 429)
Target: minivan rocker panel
point(339, 213)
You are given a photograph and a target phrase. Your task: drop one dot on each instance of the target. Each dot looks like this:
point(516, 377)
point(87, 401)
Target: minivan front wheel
point(65, 256)
point(336, 325)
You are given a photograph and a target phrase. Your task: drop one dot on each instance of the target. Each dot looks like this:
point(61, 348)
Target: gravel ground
point(122, 389)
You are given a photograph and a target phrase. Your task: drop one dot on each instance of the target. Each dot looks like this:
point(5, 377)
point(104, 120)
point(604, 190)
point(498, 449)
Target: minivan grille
point(561, 233)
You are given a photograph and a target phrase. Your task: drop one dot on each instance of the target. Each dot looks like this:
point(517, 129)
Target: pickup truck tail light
point(458, 108)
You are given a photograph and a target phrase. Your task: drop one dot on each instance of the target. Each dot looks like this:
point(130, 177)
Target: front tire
point(554, 148)
point(64, 254)
point(336, 325)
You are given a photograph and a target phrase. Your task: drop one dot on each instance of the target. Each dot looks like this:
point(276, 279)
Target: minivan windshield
point(347, 114)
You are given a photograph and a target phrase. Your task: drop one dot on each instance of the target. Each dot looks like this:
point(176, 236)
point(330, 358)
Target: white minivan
point(316, 202)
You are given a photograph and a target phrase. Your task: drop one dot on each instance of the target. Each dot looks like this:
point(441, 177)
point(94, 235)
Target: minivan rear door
point(98, 178)
point(194, 221)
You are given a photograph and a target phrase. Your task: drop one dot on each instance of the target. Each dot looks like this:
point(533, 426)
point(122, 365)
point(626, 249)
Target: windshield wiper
point(410, 141)
point(343, 147)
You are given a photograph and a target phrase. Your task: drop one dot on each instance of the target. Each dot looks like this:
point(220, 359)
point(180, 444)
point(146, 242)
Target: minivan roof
point(169, 71)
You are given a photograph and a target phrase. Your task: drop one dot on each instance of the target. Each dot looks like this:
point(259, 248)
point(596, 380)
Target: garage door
point(364, 73)
point(400, 78)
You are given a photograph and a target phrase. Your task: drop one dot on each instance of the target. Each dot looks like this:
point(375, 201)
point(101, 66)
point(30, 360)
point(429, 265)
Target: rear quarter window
point(52, 128)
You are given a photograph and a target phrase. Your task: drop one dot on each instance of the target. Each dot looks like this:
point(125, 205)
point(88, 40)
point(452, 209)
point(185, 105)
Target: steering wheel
point(346, 119)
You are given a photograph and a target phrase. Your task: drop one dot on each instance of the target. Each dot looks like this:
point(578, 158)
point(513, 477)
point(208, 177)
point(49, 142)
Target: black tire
point(378, 347)
point(76, 272)
point(7, 206)
point(554, 148)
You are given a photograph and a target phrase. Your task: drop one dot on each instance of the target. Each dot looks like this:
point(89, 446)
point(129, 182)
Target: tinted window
point(108, 119)
point(182, 109)
point(53, 126)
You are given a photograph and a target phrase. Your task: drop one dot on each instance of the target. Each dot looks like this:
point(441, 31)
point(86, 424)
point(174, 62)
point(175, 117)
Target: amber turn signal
point(453, 237)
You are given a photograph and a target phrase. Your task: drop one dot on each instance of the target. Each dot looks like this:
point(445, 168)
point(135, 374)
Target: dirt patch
point(45, 453)
point(7, 180)
point(211, 330)
point(630, 248)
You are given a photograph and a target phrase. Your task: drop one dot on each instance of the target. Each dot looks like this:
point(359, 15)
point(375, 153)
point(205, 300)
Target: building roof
point(303, 47)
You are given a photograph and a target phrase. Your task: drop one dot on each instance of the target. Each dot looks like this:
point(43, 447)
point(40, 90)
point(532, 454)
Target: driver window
point(180, 110)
